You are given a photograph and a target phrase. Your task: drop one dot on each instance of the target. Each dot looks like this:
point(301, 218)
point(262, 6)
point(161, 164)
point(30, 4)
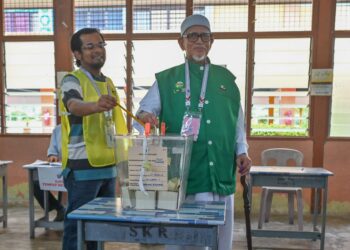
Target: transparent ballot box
point(153, 170)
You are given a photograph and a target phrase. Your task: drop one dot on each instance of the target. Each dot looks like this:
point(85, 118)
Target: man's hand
point(148, 117)
point(243, 163)
point(105, 103)
point(52, 158)
point(81, 108)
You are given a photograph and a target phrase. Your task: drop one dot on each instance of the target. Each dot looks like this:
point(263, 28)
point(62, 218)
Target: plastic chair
point(281, 156)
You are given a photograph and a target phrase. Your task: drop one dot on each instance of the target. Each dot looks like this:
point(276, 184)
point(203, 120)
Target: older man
point(202, 99)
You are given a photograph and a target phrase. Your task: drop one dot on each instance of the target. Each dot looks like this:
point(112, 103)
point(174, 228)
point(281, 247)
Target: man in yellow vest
point(202, 99)
point(90, 119)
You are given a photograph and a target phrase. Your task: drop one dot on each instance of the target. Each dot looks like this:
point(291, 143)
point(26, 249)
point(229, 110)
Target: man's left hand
point(244, 163)
point(52, 158)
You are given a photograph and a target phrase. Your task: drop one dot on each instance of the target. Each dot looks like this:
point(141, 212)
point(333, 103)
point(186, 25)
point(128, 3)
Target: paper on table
point(40, 163)
point(5, 162)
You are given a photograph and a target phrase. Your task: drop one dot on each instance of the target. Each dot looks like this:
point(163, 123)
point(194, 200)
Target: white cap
point(194, 20)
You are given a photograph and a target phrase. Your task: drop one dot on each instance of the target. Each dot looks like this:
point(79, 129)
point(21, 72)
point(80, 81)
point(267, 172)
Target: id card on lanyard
point(192, 120)
point(191, 123)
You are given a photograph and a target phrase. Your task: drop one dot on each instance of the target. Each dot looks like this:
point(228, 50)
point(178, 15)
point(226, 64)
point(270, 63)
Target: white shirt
point(151, 104)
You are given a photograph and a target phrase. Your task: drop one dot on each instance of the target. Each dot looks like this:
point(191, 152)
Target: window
point(115, 67)
point(280, 102)
point(108, 16)
point(152, 57)
point(283, 15)
point(340, 117)
point(28, 17)
point(224, 16)
point(342, 18)
point(30, 85)
point(142, 19)
point(162, 16)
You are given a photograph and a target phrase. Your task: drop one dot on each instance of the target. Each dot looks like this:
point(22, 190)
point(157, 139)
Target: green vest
point(213, 165)
point(98, 153)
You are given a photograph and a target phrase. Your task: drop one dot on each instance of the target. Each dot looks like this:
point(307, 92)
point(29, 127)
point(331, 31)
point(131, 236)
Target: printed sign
point(50, 178)
point(322, 75)
point(155, 164)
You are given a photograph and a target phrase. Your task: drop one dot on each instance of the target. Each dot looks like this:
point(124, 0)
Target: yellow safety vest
point(98, 153)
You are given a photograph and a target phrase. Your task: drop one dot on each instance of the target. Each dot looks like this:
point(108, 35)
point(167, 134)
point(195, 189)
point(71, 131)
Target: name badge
point(190, 124)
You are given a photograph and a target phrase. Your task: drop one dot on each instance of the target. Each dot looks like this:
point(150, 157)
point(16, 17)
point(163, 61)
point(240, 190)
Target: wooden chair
point(281, 156)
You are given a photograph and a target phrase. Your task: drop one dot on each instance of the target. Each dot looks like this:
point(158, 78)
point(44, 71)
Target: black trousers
point(54, 204)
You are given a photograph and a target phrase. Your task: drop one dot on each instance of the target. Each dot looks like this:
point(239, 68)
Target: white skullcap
point(194, 20)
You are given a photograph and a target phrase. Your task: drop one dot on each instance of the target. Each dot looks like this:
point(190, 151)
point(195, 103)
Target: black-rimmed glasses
point(193, 36)
point(91, 46)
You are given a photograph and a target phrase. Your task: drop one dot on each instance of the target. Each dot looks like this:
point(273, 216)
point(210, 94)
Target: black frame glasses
point(194, 36)
point(91, 46)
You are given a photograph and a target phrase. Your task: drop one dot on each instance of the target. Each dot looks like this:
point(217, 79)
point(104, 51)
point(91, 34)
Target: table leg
point(100, 245)
point(80, 238)
point(5, 200)
point(46, 206)
point(31, 203)
point(216, 243)
point(316, 198)
point(324, 215)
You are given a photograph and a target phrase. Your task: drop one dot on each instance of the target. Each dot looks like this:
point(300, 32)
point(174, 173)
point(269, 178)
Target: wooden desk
point(294, 177)
point(44, 221)
point(3, 174)
point(103, 220)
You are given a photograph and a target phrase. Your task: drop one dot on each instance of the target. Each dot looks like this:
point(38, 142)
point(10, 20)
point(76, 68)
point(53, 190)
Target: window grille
point(224, 15)
point(283, 15)
point(280, 102)
point(29, 87)
point(108, 16)
point(342, 18)
point(158, 16)
point(28, 17)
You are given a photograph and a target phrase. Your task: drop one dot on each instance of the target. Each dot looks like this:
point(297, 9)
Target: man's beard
point(99, 63)
point(199, 58)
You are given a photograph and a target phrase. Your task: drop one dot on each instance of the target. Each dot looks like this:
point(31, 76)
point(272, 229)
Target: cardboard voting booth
point(154, 170)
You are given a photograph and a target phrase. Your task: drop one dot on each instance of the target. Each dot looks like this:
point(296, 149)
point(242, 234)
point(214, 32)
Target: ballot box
point(153, 170)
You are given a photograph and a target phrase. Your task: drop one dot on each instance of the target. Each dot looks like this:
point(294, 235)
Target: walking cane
point(247, 211)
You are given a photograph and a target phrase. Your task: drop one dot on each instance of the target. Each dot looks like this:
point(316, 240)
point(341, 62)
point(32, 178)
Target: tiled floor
point(16, 236)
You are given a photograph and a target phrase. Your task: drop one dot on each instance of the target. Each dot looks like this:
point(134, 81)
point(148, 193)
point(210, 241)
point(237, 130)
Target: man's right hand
point(81, 108)
point(105, 103)
point(148, 117)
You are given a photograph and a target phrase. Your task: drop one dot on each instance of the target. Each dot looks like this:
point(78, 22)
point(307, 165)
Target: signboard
point(155, 164)
point(50, 178)
point(321, 75)
point(321, 89)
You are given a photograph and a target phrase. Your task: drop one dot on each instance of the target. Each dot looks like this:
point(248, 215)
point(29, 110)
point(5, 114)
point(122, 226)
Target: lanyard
point(93, 82)
point(188, 87)
point(107, 114)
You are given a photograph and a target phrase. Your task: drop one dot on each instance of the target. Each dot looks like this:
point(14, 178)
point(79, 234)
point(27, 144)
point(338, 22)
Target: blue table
point(103, 220)
point(316, 178)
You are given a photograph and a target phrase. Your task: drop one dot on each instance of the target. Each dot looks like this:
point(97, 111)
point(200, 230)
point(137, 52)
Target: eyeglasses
point(193, 37)
point(91, 46)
